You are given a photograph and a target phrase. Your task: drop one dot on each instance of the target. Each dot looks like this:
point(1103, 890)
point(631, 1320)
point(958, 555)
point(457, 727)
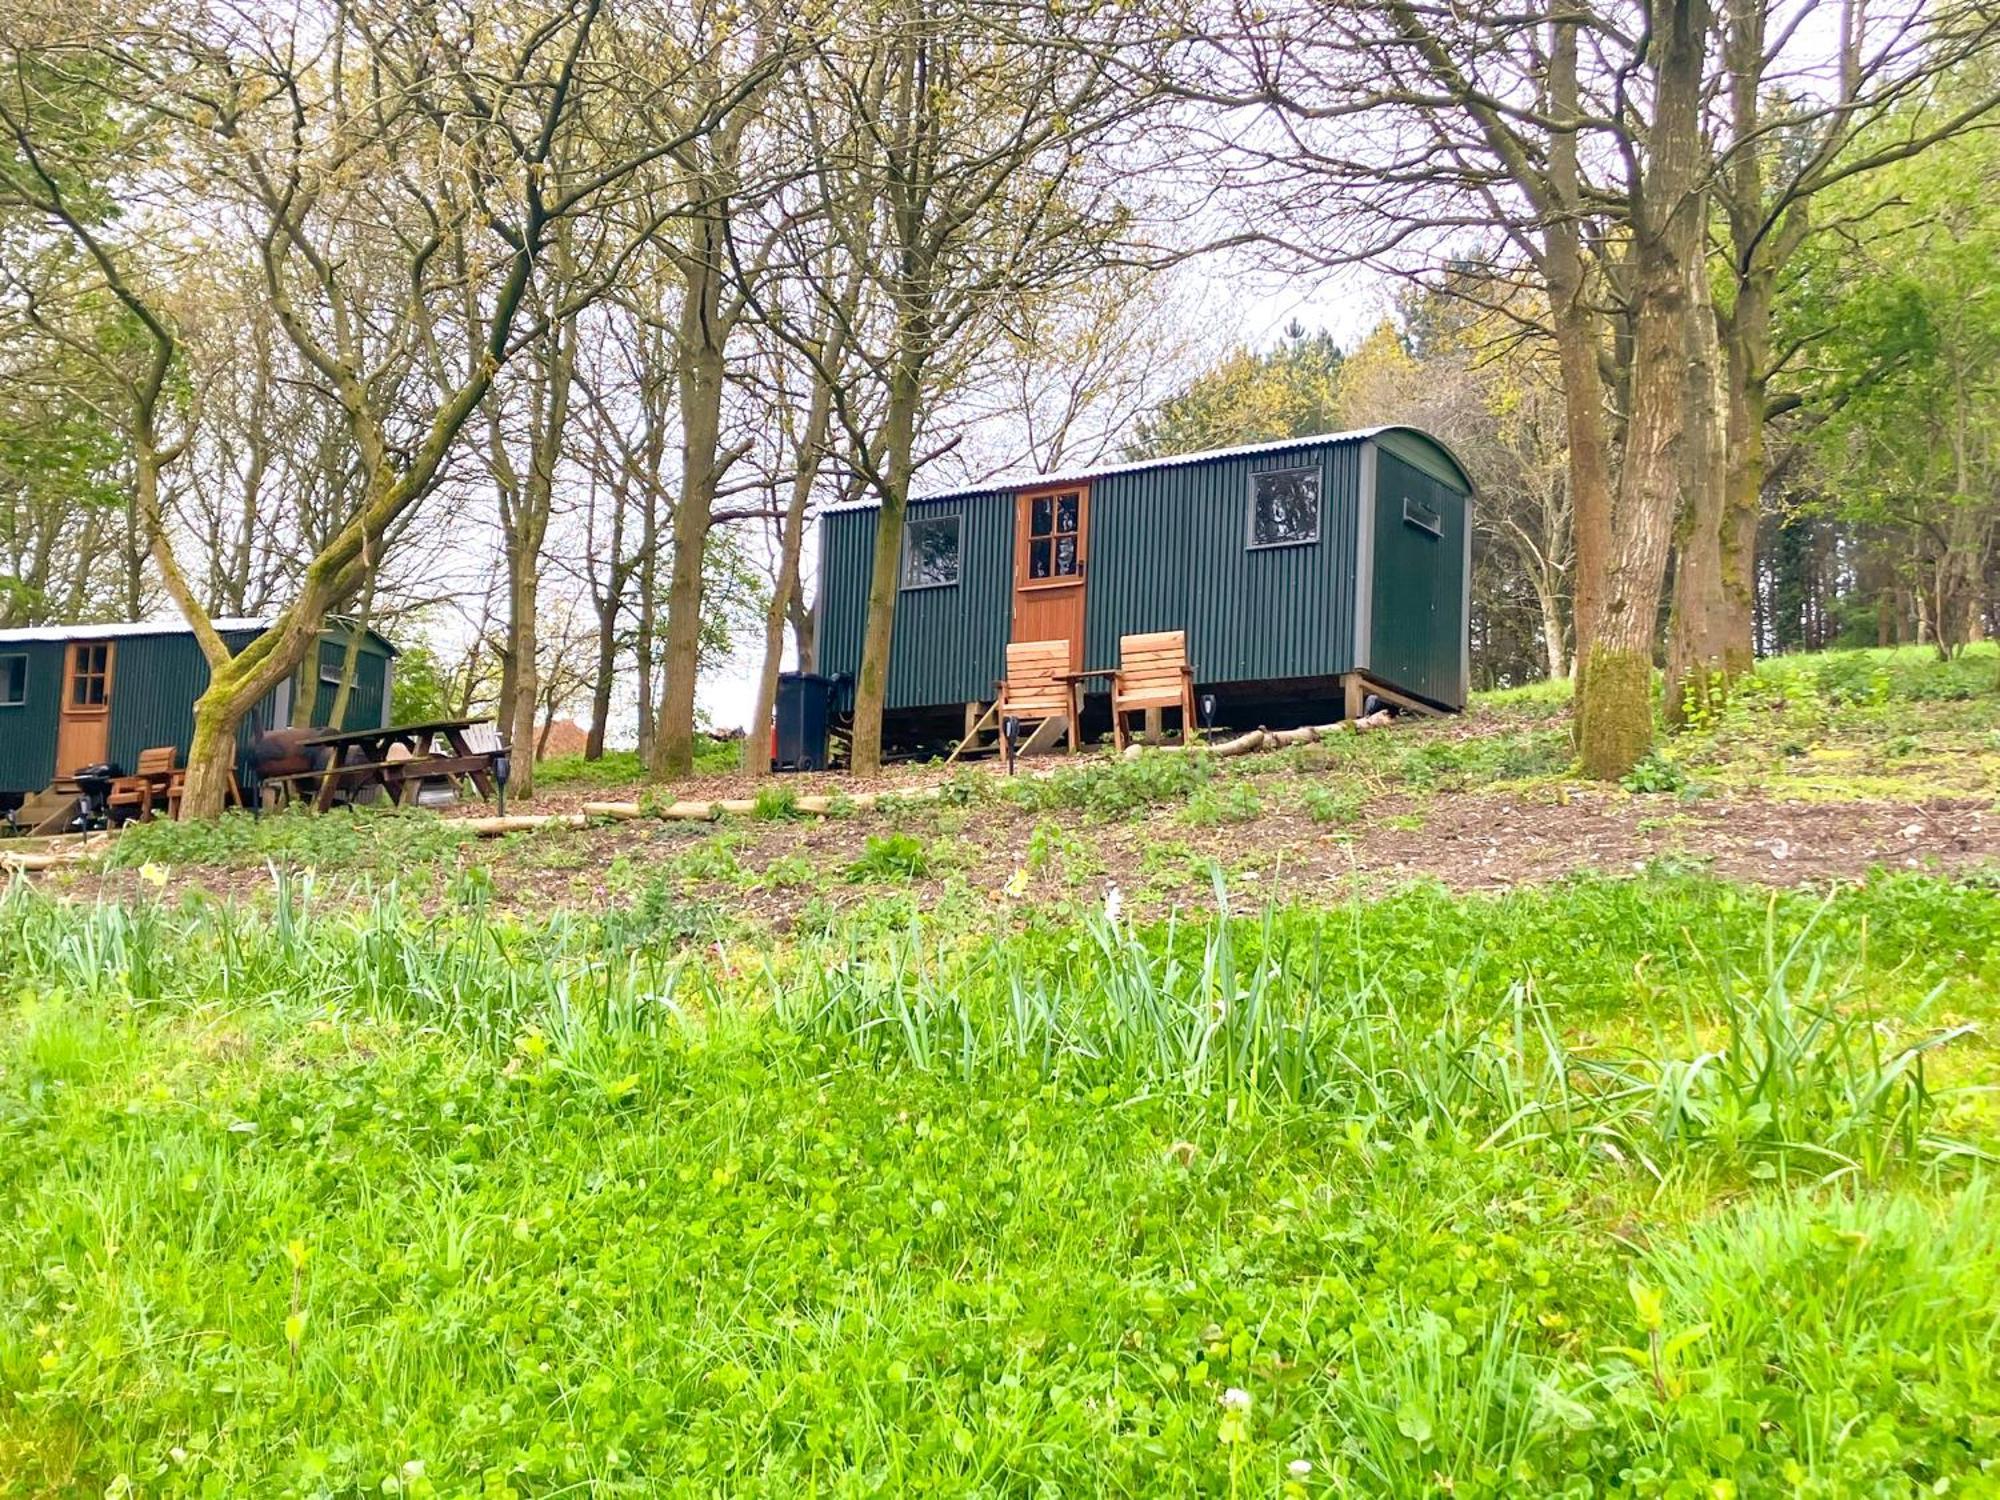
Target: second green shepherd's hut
point(1306, 573)
point(78, 695)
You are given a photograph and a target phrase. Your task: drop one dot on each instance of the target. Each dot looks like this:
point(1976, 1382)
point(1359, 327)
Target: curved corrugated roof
point(126, 629)
point(1009, 482)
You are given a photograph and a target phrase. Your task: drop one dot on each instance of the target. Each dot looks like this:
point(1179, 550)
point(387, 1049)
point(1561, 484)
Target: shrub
point(1112, 788)
point(1326, 804)
point(776, 804)
point(1655, 773)
point(892, 856)
point(1229, 802)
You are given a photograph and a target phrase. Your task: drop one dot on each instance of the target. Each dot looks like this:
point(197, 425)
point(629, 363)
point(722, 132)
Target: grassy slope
point(343, 1197)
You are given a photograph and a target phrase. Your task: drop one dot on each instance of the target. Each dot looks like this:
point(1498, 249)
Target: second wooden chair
point(1153, 673)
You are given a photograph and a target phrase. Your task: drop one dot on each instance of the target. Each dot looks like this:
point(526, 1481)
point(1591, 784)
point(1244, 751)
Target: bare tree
point(315, 124)
point(952, 160)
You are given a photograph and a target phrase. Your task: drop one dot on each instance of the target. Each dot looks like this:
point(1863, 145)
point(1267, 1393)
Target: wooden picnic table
point(400, 777)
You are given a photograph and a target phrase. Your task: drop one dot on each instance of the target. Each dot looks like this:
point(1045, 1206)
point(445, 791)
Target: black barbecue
point(93, 785)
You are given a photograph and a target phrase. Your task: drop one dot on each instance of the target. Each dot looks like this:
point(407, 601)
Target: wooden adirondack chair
point(1153, 672)
point(149, 782)
point(1039, 686)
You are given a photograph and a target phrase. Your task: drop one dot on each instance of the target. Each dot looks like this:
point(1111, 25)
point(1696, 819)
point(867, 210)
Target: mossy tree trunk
point(1664, 445)
point(1699, 668)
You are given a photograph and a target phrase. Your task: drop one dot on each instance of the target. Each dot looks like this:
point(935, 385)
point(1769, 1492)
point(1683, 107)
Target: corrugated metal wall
point(1168, 552)
point(153, 687)
point(364, 699)
point(1418, 627)
point(28, 733)
point(950, 643)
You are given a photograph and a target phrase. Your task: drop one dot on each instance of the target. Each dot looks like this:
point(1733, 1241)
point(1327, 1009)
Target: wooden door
point(83, 731)
point(1051, 554)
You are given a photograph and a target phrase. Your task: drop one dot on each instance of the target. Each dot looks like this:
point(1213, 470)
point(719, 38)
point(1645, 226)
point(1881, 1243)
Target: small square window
point(1284, 507)
point(1421, 516)
point(13, 681)
point(930, 552)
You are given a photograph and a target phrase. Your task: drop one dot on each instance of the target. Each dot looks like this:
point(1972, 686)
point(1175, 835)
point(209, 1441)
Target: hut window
point(1284, 507)
point(13, 681)
point(930, 552)
point(1055, 535)
point(89, 675)
point(1421, 516)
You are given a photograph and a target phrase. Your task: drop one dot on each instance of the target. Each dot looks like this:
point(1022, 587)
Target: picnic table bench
point(361, 758)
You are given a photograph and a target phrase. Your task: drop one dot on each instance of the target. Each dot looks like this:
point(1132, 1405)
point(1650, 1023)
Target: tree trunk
point(1578, 338)
point(1698, 665)
point(518, 711)
point(811, 446)
point(1550, 604)
point(600, 692)
point(871, 688)
point(610, 603)
point(702, 376)
point(642, 644)
point(1748, 368)
point(805, 630)
point(528, 528)
point(1615, 694)
point(350, 657)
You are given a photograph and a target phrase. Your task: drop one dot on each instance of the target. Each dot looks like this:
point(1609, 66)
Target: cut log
point(1273, 739)
point(494, 827)
point(632, 812)
point(28, 863)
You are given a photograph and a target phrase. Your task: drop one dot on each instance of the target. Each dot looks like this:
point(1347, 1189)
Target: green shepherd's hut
point(78, 695)
point(1307, 573)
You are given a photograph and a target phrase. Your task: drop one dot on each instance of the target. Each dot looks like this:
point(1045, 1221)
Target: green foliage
point(420, 689)
point(891, 857)
point(383, 841)
point(1882, 677)
point(1110, 788)
point(1656, 773)
point(1222, 802)
point(621, 768)
point(712, 857)
point(776, 804)
point(1328, 804)
point(613, 768)
point(1906, 340)
point(1290, 391)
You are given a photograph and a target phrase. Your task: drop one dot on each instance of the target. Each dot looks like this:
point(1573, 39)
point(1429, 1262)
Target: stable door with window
point(1051, 544)
point(83, 730)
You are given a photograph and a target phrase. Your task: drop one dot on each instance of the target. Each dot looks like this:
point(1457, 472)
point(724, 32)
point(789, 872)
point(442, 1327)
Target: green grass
point(1652, 1186)
point(712, 757)
point(949, 1181)
point(382, 841)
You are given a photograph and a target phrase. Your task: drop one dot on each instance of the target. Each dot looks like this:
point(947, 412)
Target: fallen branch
point(687, 812)
point(1274, 739)
point(494, 827)
point(11, 860)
